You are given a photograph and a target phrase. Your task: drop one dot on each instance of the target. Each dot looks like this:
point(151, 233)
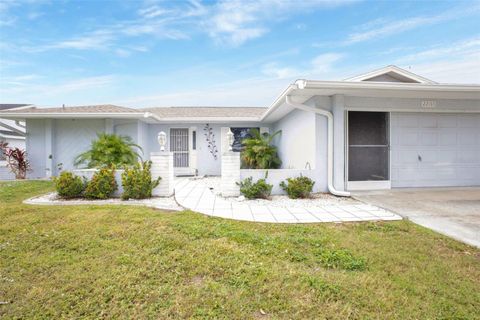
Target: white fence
point(275, 176)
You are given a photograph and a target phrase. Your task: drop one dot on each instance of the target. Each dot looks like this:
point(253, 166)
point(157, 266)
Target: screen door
point(179, 147)
point(368, 146)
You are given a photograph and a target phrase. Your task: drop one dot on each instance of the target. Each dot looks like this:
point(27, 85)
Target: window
point(240, 134)
point(194, 140)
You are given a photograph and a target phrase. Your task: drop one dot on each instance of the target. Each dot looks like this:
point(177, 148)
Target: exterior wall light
point(162, 140)
point(230, 139)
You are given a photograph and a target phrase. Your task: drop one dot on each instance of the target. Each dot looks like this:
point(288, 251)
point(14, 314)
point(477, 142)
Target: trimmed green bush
point(137, 181)
point(69, 185)
point(258, 190)
point(300, 187)
point(102, 185)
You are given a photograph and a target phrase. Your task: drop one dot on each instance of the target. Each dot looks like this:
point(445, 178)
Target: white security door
point(433, 150)
point(179, 147)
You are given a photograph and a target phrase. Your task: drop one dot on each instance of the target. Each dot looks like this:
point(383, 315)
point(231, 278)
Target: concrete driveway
point(454, 212)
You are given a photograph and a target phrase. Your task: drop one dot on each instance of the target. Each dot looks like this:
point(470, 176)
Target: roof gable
point(391, 74)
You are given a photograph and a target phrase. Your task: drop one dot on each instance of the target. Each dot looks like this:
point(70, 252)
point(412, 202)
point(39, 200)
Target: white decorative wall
point(230, 174)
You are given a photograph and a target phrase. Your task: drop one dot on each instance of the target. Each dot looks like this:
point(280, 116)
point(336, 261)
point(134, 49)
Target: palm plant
point(258, 152)
point(109, 150)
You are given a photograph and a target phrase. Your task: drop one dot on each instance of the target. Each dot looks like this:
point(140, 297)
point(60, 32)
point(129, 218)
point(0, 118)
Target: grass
point(120, 262)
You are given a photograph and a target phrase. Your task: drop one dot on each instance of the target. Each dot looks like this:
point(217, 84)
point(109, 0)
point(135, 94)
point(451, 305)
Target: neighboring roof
point(391, 73)
point(106, 108)
point(167, 113)
point(4, 133)
point(6, 106)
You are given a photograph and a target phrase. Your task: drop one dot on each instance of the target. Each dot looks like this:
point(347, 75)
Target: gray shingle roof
point(6, 106)
point(206, 112)
point(162, 112)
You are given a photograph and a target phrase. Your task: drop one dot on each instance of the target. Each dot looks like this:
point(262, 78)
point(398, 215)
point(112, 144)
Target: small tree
point(109, 150)
point(16, 160)
point(259, 153)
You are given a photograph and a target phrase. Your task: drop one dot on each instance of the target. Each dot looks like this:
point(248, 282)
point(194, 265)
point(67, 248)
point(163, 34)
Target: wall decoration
point(211, 143)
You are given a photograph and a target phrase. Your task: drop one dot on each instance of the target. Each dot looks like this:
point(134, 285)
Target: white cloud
point(457, 62)
point(96, 40)
point(380, 28)
point(321, 66)
point(226, 22)
point(324, 63)
point(273, 70)
point(457, 49)
point(247, 92)
point(235, 22)
point(19, 89)
point(122, 53)
point(152, 12)
point(446, 71)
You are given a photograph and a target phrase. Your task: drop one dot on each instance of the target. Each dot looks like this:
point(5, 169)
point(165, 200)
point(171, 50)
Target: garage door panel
point(407, 121)
point(428, 157)
point(408, 138)
point(446, 157)
point(470, 173)
point(435, 150)
point(467, 156)
point(404, 156)
point(429, 138)
point(466, 121)
point(467, 136)
point(447, 136)
point(427, 122)
point(446, 120)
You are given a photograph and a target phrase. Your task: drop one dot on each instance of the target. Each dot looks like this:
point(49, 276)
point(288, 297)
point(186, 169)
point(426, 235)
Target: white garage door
point(433, 150)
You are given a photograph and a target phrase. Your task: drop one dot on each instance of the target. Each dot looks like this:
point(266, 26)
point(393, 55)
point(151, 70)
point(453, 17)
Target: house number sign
point(429, 104)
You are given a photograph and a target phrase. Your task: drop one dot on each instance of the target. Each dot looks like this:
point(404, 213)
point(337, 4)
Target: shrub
point(69, 185)
point(259, 153)
point(102, 185)
point(299, 187)
point(258, 190)
point(109, 150)
point(137, 181)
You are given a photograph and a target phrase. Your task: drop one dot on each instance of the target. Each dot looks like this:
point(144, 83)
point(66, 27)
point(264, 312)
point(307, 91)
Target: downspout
point(329, 117)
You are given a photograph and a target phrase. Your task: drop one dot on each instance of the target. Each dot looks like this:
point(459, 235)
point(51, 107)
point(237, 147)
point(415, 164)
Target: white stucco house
point(388, 128)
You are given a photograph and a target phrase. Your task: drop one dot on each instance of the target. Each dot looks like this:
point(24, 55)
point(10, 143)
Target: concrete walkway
point(195, 195)
point(454, 212)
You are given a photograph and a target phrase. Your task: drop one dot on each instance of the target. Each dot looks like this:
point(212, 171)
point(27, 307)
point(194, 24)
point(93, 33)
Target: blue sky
point(233, 53)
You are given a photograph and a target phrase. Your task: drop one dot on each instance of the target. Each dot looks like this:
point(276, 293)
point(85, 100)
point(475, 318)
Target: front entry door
point(368, 150)
point(179, 147)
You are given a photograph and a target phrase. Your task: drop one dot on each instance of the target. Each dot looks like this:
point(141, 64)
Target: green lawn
point(133, 262)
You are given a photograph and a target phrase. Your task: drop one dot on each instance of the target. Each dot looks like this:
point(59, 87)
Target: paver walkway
point(195, 195)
